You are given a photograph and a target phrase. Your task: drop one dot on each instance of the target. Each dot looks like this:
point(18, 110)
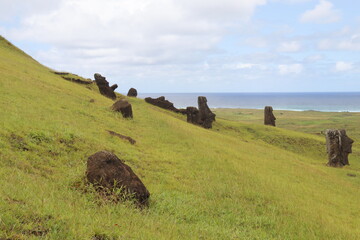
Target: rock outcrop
point(103, 86)
point(132, 92)
point(131, 140)
point(107, 172)
point(163, 103)
point(269, 118)
point(206, 116)
point(338, 147)
point(75, 79)
point(124, 107)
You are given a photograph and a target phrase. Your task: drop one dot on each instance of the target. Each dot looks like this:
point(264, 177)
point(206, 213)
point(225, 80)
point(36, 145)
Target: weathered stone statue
point(206, 117)
point(124, 107)
point(103, 86)
point(192, 114)
point(269, 118)
point(163, 103)
point(132, 92)
point(107, 172)
point(338, 147)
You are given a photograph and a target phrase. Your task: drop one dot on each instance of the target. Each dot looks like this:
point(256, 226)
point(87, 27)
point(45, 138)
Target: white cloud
point(343, 43)
point(136, 32)
point(11, 8)
point(258, 42)
point(291, 1)
point(237, 66)
point(293, 46)
point(343, 66)
point(313, 58)
point(324, 12)
point(285, 69)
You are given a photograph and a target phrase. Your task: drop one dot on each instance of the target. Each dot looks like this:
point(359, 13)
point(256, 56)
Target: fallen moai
point(108, 173)
point(124, 107)
point(163, 103)
point(103, 86)
point(338, 147)
point(132, 92)
point(269, 118)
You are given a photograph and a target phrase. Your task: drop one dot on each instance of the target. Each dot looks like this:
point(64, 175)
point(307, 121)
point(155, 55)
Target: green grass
point(237, 181)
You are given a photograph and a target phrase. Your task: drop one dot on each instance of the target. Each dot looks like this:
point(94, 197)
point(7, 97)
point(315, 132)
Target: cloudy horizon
point(194, 46)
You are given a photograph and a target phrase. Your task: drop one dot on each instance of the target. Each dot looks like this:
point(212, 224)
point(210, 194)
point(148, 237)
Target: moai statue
point(192, 114)
point(162, 102)
point(269, 118)
point(206, 117)
point(103, 86)
point(132, 92)
point(107, 172)
point(124, 107)
point(338, 147)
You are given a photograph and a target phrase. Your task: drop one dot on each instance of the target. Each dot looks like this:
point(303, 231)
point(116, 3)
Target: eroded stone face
point(206, 116)
point(106, 170)
point(192, 114)
point(338, 147)
point(269, 118)
point(132, 92)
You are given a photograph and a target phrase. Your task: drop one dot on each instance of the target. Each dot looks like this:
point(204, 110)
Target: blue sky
point(194, 45)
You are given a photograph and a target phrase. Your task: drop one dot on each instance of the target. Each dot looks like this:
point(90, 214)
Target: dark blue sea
point(326, 102)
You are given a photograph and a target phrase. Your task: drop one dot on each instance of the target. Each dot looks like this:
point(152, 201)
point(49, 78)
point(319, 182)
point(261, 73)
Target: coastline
point(300, 102)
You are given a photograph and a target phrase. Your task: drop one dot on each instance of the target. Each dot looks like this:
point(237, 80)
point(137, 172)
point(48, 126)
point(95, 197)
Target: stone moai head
point(269, 118)
point(206, 116)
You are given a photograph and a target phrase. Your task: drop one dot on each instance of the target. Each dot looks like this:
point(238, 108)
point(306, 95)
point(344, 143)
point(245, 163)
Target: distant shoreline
point(319, 102)
point(290, 110)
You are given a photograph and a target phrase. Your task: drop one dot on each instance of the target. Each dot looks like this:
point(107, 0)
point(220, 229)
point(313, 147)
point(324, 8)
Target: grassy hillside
point(236, 181)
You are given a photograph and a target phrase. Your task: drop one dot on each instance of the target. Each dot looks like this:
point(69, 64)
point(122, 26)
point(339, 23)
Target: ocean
point(325, 102)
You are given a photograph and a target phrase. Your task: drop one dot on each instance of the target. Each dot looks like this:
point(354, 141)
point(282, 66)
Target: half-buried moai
point(132, 92)
point(338, 147)
point(103, 86)
point(108, 173)
point(192, 114)
point(206, 116)
point(124, 107)
point(269, 118)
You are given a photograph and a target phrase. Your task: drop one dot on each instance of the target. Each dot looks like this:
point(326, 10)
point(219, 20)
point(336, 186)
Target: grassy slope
point(236, 181)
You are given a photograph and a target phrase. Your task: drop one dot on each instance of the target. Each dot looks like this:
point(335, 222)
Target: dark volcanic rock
point(192, 114)
point(131, 140)
point(103, 86)
point(161, 102)
point(113, 87)
point(206, 116)
point(132, 92)
point(269, 118)
point(107, 171)
point(64, 75)
point(338, 147)
point(124, 107)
